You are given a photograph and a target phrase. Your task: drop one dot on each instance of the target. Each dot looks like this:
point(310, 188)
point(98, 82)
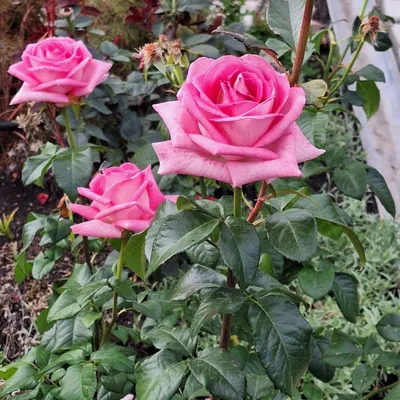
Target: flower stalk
point(303, 39)
point(68, 128)
point(118, 275)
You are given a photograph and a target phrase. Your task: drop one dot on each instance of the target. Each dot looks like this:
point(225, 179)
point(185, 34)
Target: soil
point(20, 304)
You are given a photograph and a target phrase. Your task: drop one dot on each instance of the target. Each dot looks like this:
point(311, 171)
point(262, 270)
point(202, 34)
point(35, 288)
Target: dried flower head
point(149, 54)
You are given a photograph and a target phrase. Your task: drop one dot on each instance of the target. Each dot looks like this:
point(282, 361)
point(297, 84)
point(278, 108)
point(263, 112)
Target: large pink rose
point(123, 198)
point(234, 121)
point(55, 69)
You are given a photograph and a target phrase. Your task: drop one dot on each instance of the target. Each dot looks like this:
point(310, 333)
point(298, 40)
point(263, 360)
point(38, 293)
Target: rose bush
point(55, 69)
point(123, 198)
point(234, 121)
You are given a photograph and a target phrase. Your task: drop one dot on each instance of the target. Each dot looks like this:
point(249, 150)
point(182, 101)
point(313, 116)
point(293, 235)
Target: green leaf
point(371, 73)
point(284, 18)
point(66, 333)
point(279, 47)
point(23, 379)
point(216, 371)
point(194, 389)
point(387, 359)
point(145, 156)
point(72, 357)
point(109, 48)
point(394, 394)
point(322, 371)
point(35, 168)
point(42, 266)
point(66, 306)
point(317, 284)
point(160, 376)
point(382, 41)
point(57, 229)
point(150, 308)
point(389, 327)
point(176, 234)
point(248, 40)
point(341, 354)
point(362, 378)
point(312, 168)
point(41, 321)
point(346, 295)
point(240, 249)
point(133, 254)
point(351, 180)
point(223, 301)
point(371, 96)
point(357, 244)
point(204, 253)
point(79, 383)
point(73, 169)
point(88, 290)
point(293, 233)
point(282, 339)
point(30, 229)
point(312, 392)
point(314, 127)
point(176, 339)
point(111, 357)
point(197, 278)
point(378, 185)
point(258, 386)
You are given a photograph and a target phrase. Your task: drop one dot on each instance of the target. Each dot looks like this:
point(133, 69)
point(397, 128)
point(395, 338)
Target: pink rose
point(123, 198)
point(234, 121)
point(55, 69)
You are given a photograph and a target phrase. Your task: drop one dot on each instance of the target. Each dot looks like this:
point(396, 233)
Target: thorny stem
point(260, 201)
point(58, 135)
point(303, 39)
point(118, 274)
point(380, 390)
point(225, 334)
point(336, 69)
point(85, 242)
point(70, 135)
point(330, 58)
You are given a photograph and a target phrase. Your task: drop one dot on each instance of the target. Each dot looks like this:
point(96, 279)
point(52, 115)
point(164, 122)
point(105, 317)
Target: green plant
point(5, 224)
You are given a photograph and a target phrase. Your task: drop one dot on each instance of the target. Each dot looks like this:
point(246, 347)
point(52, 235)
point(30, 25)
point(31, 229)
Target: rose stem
point(303, 39)
point(260, 201)
point(203, 188)
point(70, 135)
point(118, 274)
point(58, 134)
point(225, 335)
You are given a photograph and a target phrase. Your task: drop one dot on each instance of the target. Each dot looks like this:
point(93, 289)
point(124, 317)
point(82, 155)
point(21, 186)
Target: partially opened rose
point(234, 121)
point(55, 69)
point(123, 198)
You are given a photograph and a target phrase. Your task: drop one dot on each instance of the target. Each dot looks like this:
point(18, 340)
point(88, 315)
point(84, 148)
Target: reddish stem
point(58, 135)
point(303, 39)
point(260, 201)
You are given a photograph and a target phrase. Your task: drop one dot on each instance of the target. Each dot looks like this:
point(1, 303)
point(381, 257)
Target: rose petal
point(198, 67)
point(291, 111)
point(112, 210)
point(26, 93)
point(84, 211)
point(304, 149)
point(156, 197)
point(285, 166)
point(62, 86)
point(20, 71)
point(224, 150)
point(182, 161)
point(135, 225)
point(97, 228)
point(94, 74)
point(93, 196)
point(169, 112)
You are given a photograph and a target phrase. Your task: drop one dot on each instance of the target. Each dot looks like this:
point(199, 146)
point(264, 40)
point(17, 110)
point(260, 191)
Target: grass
point(378, 284)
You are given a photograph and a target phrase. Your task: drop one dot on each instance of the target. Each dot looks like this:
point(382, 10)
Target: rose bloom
point(123, 198)
point(55, 69)
point(234, 121)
